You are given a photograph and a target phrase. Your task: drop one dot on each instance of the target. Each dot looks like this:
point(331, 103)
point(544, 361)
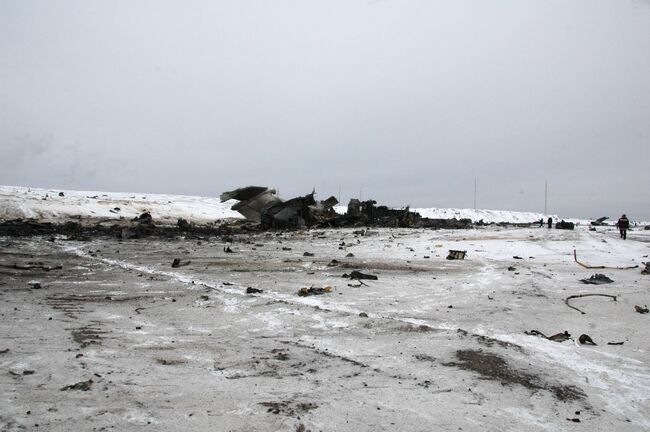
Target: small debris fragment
point(615, 343)
point(517, 257)
point(597, 279)
point(304, 292)
point(251, 290)
point(363, 315)
point(350, 255)
point(511, 268)
point(456, 255)
point(357, 275)
point(178, 263)
point(82, 386)
point(585, 340)
point(641, 310)
point(308, 254)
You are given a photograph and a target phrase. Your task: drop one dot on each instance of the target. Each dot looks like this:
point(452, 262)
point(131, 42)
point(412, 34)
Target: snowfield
point(104, 334)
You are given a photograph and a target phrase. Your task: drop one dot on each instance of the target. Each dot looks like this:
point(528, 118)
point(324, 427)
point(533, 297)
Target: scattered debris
point(357, 275)
point(600, 221)
point(178, 263)
point(641, 310)
point(566, 300)
point(82, 386)
point(597, 279)
point(251, 290)
point(304, 292)
point(565, 225)
point(575, 257)
point(585, 340)
point(183, 225)
point(558, 337)
point(456, 255)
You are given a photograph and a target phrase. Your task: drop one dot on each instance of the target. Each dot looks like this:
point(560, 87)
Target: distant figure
point(541, 222)
point(623, 225)
point(550, 222)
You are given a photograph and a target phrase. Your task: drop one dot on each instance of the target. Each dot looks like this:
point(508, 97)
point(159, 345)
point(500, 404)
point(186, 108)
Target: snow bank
point(47, 205)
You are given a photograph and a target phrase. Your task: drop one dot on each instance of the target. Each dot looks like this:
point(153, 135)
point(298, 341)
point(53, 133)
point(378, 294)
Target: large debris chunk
point(253, 201)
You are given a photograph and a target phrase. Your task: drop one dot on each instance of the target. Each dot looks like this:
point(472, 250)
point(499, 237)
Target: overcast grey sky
point(407, 100)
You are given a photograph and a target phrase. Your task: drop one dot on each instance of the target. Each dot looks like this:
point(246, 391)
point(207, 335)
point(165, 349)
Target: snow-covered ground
point(432, 344)
point(46, 205)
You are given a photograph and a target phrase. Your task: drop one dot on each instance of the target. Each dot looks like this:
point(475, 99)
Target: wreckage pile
point(260, 205)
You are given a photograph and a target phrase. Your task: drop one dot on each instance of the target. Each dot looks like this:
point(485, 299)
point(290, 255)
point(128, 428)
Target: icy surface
point(188, 348)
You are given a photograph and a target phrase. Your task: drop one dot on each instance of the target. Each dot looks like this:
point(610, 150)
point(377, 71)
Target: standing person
point(623, 224)
point(550, 222)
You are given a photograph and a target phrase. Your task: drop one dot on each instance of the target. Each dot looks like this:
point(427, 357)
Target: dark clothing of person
point(550, 222)
point(623, 225)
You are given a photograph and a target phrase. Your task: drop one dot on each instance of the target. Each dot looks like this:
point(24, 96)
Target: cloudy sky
point(406, 102)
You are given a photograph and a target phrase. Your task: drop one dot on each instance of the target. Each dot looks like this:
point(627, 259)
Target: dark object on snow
point(517, 257)
point(144, 219)
point(82, 385)
point(251, 290)
point(178, 263)
point(350, 255)
point(183, 224)
point(308, 254)
point(511, 268)
point(646, 270)
point(565, 225)
point(615, 343)
point(61, 194)
point(641, 310)
point(456, 255)
point(558, 337)
point(36, 285)
point(259, 204)
point(600, 221)
point(597, 279)
point(585, 340)
point(566, 300)
point(227, 249)
point(357, 275)
point(550, 222)
point(304, 292)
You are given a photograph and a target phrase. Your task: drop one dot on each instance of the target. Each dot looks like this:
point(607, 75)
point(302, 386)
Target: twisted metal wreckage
point(260, 205)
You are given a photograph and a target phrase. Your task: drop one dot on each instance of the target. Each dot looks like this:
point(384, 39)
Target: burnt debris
point(260, 205)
